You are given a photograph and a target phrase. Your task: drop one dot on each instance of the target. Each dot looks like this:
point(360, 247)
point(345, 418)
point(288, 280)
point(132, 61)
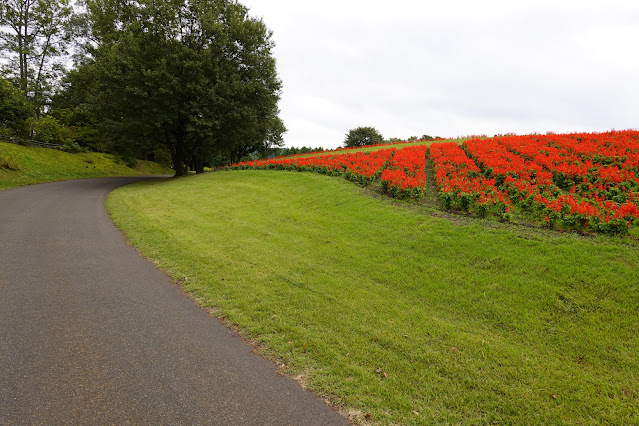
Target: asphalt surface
point(92, 333)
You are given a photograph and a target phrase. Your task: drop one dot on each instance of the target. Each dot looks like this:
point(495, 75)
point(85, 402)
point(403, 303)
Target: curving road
point(91, 333)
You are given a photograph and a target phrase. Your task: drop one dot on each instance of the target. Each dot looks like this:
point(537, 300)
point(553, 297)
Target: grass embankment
point(21, 165)
point(397, 316)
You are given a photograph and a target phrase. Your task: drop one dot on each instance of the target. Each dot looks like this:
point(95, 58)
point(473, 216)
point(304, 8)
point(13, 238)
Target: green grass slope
point(395, 315)
point(21, 165)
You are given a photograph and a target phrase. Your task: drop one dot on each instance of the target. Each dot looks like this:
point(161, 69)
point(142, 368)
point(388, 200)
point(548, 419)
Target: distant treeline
point(413, 139)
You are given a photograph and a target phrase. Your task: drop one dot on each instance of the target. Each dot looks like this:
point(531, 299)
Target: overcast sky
point(453, 67)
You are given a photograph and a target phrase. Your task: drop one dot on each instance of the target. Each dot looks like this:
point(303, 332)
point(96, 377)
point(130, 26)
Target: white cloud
point(453, 68)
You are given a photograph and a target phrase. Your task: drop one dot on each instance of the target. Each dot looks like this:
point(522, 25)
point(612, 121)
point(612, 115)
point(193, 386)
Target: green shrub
point(47, 129)
point(127, 160)
point(73, 147)
point(7, 162)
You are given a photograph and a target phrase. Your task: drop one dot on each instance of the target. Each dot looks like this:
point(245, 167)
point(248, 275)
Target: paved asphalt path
point(91, 333)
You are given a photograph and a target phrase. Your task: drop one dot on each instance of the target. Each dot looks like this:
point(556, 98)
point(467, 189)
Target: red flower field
point(584, 181)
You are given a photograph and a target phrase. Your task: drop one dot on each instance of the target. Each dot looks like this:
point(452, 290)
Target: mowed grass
point(21, 165)
point(397, 316)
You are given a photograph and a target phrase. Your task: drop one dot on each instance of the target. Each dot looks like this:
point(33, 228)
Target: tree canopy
point(361, 136)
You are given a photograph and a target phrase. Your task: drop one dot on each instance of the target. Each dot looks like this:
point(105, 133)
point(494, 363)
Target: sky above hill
point(453, 68)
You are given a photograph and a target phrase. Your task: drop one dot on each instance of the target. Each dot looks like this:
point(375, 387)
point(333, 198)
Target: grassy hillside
point(20, 165)
point(371, 148)
point(396, 313)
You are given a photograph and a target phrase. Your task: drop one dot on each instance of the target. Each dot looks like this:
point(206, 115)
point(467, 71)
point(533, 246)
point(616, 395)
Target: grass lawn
point(398, 314)
point(21, 165)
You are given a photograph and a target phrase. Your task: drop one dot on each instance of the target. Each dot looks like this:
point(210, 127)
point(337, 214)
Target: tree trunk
point(177, 155)
point(38, 79)
point(24, 39)
point(198, 165)
point(23, 79)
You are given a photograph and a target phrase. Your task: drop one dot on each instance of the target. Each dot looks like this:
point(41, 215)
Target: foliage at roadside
point(20, 165)
point(15, 110)
point(396, 316)
point(188, 81)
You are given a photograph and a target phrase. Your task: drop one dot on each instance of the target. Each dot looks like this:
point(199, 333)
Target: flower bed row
point(461, 184)
point(405, 176)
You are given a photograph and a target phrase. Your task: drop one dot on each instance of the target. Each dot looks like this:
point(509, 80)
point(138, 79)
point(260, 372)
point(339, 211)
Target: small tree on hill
point(363, 136)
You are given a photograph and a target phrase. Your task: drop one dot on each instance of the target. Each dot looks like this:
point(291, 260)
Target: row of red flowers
point(401, 169)
point(363, 167)
point(461, 184)
point(405, 175)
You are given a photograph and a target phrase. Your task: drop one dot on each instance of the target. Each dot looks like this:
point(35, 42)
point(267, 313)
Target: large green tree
point(197, 76)
point(34, 37)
